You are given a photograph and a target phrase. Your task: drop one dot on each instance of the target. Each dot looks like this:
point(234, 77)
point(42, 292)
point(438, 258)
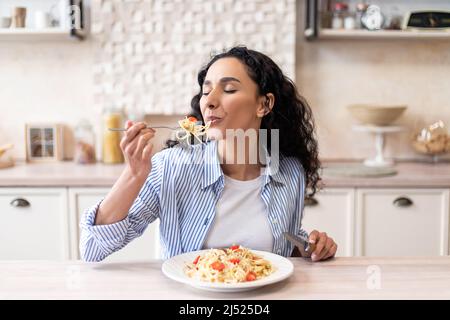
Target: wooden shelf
point(21, 34)
point(383, 34)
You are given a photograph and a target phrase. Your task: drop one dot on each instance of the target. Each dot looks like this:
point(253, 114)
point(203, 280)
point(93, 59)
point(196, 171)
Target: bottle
point(84, 143)
point(349, 22)
point(111, 139)
point(339, 13)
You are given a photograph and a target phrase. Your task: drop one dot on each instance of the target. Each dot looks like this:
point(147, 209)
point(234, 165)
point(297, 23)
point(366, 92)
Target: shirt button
point(279, 251)
point(274, 221)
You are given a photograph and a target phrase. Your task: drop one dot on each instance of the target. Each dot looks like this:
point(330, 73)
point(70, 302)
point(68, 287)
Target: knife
point(306, 248)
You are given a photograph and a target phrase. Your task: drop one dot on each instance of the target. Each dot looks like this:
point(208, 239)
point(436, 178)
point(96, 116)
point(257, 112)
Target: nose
point(212, 100)
point(211, 106)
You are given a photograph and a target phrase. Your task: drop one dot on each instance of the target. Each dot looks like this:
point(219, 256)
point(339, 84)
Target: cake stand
point(379, 132)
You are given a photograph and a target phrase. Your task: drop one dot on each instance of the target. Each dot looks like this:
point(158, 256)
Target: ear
point(265, 105)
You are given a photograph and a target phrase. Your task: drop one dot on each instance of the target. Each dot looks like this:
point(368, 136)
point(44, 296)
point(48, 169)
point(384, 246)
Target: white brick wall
point(148, 52)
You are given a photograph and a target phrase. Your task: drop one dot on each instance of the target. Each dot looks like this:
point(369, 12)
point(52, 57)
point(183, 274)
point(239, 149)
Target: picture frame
point(43, 142)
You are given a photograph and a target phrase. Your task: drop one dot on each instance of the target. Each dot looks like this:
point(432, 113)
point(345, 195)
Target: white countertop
point(340, 278)
point(64, 173)
point(409, 174)
point(68, 173)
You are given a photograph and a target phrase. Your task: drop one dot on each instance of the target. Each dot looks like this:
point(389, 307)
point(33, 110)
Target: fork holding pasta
point(191, 127)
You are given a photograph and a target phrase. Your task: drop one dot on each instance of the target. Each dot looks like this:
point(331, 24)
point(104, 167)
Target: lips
point(213, 119)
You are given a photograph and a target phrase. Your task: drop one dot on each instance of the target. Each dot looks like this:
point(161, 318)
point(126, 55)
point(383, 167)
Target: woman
point(203, 195)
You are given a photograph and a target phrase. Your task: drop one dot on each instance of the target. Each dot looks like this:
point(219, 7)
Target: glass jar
point(111, 139)
point(84, 143)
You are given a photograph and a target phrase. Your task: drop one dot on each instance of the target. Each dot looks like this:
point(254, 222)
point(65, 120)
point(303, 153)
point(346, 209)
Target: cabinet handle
point(403, 202)
point(20, 203)
point(311, 202)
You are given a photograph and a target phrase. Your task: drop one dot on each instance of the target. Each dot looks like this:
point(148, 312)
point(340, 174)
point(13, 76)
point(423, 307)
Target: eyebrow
point(223, 80)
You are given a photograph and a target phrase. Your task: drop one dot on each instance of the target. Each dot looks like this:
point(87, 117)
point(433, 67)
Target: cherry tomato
point(219, 266)
point(251, 276)
point(196, 260)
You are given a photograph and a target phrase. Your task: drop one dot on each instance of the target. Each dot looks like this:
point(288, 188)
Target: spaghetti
point(232, 265)
point(191, 127)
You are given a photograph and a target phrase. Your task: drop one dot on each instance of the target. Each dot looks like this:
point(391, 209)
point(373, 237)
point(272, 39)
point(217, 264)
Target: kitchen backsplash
point(148, 53)
point(155, 69)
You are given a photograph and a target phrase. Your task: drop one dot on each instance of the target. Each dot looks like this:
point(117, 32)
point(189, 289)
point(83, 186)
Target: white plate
point(174, 269)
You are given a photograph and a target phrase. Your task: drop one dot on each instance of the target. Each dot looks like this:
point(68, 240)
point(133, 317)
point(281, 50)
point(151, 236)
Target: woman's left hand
point(325, 246)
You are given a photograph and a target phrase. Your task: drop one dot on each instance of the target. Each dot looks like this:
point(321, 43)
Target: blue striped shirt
point(181, 191)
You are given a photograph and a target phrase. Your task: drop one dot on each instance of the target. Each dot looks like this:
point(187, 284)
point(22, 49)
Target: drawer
point(34, 223)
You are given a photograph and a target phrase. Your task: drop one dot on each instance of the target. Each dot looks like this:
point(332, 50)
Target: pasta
point(232, 265)
point(191, 127)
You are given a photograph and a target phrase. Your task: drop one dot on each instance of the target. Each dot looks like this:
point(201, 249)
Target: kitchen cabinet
point(332, 211)
point(359, 213)
point(34, 224)
point(43, 224)
point(145, 247)
point(382, 222)
point(363, 221)
point(402, 222)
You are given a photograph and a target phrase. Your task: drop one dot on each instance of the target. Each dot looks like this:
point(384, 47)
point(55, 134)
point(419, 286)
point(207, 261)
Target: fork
point(148, 127)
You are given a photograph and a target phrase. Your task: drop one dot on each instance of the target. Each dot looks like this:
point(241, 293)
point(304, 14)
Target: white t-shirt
point(241, 217)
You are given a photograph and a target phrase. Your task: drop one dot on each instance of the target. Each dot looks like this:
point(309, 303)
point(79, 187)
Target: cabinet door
point(146, 247)
point(332, 211)
point(33, 224)
point(402, 222)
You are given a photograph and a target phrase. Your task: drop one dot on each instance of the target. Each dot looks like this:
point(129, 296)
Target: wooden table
point(340, 278)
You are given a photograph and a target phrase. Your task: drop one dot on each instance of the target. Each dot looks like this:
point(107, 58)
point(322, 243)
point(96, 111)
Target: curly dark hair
point(291, 114)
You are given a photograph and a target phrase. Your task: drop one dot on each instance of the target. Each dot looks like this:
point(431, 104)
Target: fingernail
point(314, 257)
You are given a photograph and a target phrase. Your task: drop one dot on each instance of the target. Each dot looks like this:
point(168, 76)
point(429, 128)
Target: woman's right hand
point(137, 148)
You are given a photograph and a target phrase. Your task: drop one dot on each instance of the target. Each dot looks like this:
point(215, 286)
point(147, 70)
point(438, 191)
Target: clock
point(372, 18)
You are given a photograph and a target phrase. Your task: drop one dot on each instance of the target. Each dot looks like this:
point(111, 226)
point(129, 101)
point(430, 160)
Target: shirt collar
point(212, 171)
point(211, 164)
point(272, 169)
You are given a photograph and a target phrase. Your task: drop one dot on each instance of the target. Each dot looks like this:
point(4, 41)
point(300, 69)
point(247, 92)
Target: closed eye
point(226, 91)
